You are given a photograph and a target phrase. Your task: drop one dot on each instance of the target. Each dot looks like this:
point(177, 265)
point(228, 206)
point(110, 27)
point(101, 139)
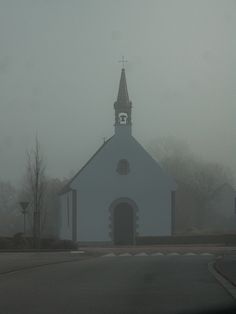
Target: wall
point(98, 185)
point(65, 213)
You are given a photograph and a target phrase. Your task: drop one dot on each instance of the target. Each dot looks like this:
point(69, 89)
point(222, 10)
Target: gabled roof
point(67, 187)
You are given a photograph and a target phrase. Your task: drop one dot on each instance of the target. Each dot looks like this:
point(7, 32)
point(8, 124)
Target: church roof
point(123, 96)
point(66, 187)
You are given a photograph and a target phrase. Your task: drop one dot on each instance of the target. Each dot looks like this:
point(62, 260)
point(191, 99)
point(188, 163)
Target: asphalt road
point(145, 284)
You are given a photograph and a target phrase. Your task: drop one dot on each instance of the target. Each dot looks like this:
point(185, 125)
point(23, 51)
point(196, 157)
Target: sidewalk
point(226, 266)
point(17, 261)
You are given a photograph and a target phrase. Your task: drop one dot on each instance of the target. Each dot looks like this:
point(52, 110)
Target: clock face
point(123, 118)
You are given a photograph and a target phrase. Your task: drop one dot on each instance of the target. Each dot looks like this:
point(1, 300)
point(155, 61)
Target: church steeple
point(123, 107)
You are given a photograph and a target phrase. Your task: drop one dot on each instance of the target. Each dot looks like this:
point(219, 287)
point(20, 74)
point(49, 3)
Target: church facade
point(121, 193)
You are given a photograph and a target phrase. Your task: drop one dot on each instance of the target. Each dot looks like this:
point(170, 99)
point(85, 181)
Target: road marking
point(112, 254)
point(77, 252)
point(141, 254)
point(109, 255)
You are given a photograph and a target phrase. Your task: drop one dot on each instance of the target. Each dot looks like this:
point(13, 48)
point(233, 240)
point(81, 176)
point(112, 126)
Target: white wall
point(65, 228)
point(99, 184)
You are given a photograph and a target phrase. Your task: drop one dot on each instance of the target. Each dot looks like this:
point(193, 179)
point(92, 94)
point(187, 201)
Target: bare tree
point(35, 182)
point(51, 205)
point(10, 216)
point(196, 180)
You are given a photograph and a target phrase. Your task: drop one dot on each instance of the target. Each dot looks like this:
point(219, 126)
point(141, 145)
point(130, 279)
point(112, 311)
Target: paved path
point(124, 285)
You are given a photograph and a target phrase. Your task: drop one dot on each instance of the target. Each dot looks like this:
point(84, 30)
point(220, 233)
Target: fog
point(59, 75)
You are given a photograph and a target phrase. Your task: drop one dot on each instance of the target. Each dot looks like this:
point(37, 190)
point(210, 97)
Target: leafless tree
point(196, 180)
point(10, 216)
point(51, 205)
point(35, 184)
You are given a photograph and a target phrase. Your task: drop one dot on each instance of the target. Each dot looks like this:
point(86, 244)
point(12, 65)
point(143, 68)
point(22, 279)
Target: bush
point(21, 242)
point(64, 245)
point(46, 243)
point(6, 243)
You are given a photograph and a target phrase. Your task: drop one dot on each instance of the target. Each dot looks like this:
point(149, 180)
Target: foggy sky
point(59, 76)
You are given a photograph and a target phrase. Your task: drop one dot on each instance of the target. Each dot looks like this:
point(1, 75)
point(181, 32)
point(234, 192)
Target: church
point(121, 193)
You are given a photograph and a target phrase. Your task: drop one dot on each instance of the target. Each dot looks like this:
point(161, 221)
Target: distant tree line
point(196, 180)
point(11, 218)
point(41, 194)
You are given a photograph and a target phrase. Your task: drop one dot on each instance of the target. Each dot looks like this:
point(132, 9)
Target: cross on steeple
point(123, 61)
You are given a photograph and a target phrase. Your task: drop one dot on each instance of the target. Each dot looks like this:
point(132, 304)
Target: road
point(132, 284)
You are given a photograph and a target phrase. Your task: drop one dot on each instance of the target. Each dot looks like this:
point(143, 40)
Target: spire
point(123, 96)
point(123, 106)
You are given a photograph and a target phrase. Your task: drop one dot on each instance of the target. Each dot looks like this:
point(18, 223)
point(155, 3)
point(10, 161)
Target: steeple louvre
point(123, 105)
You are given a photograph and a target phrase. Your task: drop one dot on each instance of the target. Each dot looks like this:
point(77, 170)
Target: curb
point(221, 272)
point(222, 279)
point(34, 250)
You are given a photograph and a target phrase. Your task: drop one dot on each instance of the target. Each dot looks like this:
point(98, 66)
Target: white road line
point(141, 254)
point(77, 252)
point(112, 254)
point(109, 255)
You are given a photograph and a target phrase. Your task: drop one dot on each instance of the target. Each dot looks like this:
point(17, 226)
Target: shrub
point(6, 243)
point(64, 245)
point(46, 243)
point(21, 242)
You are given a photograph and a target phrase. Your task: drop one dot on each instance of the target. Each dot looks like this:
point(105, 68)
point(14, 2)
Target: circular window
point(123, 167)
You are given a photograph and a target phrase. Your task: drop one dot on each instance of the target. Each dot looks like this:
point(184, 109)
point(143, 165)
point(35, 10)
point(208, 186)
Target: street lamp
point(24, 206)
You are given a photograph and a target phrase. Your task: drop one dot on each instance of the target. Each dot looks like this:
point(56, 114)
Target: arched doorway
point(123, 224)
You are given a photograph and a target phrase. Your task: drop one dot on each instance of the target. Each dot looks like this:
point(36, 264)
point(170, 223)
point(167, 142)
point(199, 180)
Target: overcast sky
point(59, 76)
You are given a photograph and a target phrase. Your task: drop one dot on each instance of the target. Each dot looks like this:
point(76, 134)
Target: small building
point(121, 192)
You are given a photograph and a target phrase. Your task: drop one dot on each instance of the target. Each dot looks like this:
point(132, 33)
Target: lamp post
point(24, 206)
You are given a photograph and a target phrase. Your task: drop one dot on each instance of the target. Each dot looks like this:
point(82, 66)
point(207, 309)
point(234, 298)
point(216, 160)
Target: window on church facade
point(123, 167)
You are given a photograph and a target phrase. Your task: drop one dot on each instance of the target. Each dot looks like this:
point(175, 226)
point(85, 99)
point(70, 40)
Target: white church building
point(121, 193)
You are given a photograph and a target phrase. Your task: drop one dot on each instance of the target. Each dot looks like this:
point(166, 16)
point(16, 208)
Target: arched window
point(123, 167)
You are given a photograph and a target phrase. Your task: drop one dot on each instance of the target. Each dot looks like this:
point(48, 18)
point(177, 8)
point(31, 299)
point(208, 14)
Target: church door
point(123, 224)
